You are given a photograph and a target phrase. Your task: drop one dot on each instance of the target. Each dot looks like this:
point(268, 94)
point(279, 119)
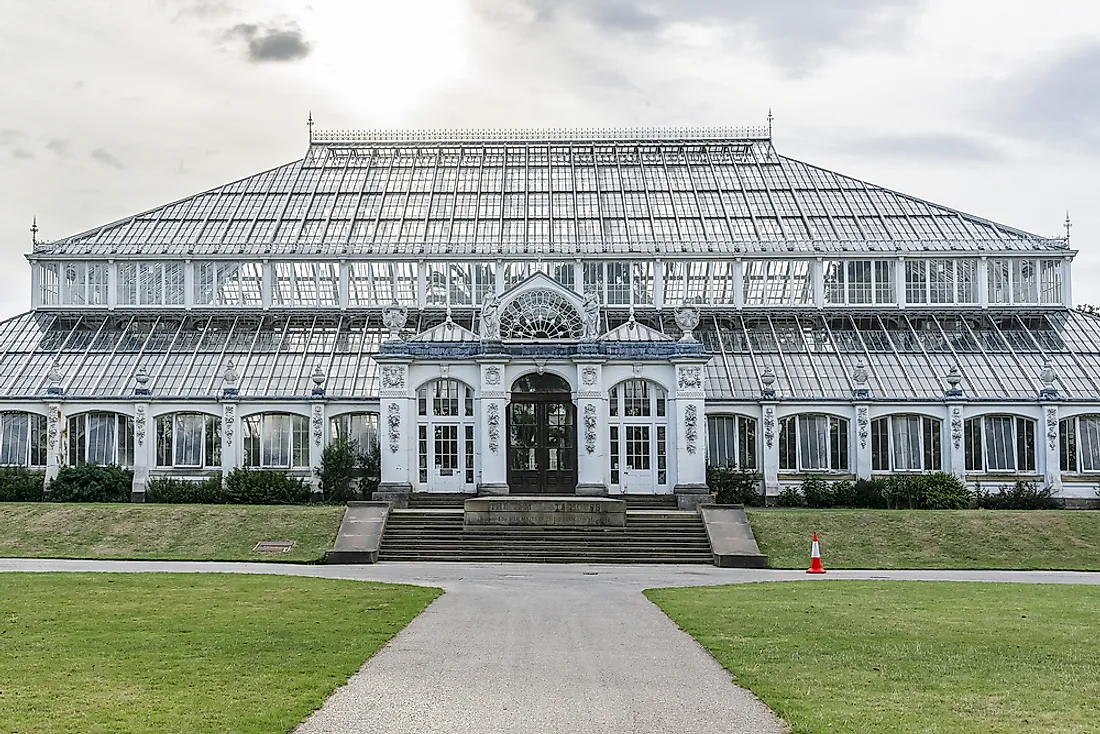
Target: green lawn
point(164, 532)
point(986, 539)
point(195, 653)
point(885, 657)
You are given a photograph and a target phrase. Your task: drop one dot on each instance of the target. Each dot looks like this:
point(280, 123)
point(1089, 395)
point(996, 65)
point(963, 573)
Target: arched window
point(638, 436)
point(810, 442)
point(1080, 443)
point(906, 443)
point(540, 315)
point(276, 441)
point(189, 440)
point(359, 429)
point(1000, 443)
point(22, 439)
point(445, 436)
point(101, 438)
point(731, 441)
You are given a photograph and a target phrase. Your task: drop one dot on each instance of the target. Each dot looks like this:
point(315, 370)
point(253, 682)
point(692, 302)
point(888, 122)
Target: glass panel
point(523, 437)
point(275, 447)
point(1000, 444)
point(189, 439)
point(1088, 443)
point(637, 448)
point(906, 441)
point(813, 437)
point(15, 438)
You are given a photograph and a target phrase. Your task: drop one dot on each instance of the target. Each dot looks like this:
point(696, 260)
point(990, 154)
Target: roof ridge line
point(435, 135)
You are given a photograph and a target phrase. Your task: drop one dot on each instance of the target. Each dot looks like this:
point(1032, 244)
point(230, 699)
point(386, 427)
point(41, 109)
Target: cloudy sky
point(109, 107)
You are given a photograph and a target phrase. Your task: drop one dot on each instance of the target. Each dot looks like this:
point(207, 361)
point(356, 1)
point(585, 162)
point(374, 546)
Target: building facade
point(589, 311)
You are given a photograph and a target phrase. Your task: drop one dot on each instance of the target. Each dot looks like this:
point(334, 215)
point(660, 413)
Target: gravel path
point(522, 648)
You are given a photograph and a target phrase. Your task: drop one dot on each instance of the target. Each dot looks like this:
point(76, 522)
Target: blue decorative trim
point(615, 350)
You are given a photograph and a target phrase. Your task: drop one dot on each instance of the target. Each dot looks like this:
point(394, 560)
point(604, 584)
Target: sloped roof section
point(558, 193)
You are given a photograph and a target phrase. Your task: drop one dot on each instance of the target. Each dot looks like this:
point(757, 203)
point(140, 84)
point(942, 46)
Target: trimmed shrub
point(339, 469)
point(735, 486)
point(264, 487)
point(941, 491)
point(1020, 496)
point(186, 491)
point(844, 493)
point(20, 484)
point(868, 493)
point(900, 493)
point(91, 483)
point(789, 497)
point(817, 492)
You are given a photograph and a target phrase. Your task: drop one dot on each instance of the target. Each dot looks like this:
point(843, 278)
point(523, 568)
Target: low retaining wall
point(548, 512)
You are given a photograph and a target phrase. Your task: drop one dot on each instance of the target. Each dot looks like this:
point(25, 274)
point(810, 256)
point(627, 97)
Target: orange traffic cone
point(815, 558)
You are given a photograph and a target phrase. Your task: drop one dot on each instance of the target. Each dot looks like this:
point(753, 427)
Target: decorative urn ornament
point(687, 318)
point(394, 317)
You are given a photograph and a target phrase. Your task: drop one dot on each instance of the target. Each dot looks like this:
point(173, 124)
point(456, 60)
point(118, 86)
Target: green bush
point(264, 487)
point(339, 470)
point(735, 486)
point(941, 491)
point(1021, 496)
point(20, 484)
point(817, 492)
point(900, 493)
point(869, 494)
point(91, 483)
point(186, 491)
point(789, 497)
point(844, 493)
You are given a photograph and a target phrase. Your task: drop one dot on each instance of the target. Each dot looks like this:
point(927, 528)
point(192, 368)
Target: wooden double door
point(542, 444)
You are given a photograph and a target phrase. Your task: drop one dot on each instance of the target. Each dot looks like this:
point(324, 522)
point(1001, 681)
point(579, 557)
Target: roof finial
point(1069, 226)
point(309, 124)
point(34, 230)
point(771, 117)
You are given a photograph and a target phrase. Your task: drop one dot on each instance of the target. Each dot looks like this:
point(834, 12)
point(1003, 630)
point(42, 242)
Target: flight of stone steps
point(431, 529)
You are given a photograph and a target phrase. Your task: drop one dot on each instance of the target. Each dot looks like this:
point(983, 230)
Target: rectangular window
point(1087, 443)
point(469, 454)
point(1067, 445)
point(813, 442)
point(614, 453)
point(880, 444)
point(422, 453)
point(1025, 281)
point(1050, 285)
point(932, 451)
point(188, 439)
point(787, 444)
point(916, 282)
point(997, 273)
point(662, 455)
point(999, 444)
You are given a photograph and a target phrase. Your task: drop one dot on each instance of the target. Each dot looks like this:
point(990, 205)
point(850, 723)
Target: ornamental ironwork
point(539, 315)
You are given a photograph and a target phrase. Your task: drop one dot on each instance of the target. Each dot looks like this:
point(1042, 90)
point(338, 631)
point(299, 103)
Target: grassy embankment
point(197, 653)
point(963, 539)
point(899, 657)
point(165, 532)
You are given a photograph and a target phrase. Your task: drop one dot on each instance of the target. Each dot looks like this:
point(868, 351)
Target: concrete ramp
point(360, 533)
point(731, 538)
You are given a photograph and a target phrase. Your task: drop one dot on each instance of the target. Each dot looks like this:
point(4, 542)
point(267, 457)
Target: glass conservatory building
point(579, 311)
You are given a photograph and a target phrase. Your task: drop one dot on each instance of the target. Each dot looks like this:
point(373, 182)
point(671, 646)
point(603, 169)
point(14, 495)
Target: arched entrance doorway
point(542, 436)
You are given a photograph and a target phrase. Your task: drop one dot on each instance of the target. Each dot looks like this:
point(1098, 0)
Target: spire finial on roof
point(771, 118)
point(1069, 226)
point(309, 124)
point(34, 230)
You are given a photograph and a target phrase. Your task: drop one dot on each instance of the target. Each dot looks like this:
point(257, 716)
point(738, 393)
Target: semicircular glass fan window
point(540, 315)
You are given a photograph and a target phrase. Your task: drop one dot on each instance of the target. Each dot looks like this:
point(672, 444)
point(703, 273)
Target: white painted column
point(769, 452)
point(112, 284)
point(188, 284)
point(955, 448)
point(55, 440)
point(36, 283)
point(267, 276)
point(232, 455)
point(983, 282)
point(592, 435)
point(899, 285)
point(817, 273)
point(317, 423)
point(344, 294)
point(143, 447)
point(398, 439)
point(492, 439)
point(691, 446)
point(862, 447)
point(1067, 283)
point(1050, 453)
point(738, 275)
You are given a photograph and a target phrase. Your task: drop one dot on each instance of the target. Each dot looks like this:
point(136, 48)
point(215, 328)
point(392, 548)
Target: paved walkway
point(532, 648)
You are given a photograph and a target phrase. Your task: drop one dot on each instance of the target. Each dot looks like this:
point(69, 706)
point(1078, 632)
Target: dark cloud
point(794, 34)
point(272, 42)
point(1057, 101)
point(21, 153)
point(58, 146)
point(918, 146)
point(106, 158)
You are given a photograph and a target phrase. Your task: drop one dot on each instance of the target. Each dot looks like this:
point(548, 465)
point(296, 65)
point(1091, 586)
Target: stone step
point(703, 559)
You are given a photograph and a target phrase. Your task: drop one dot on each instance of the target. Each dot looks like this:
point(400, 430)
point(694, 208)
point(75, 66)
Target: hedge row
point(933, 491)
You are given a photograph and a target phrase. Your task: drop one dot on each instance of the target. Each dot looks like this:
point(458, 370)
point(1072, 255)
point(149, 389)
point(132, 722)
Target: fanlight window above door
point(540, 315)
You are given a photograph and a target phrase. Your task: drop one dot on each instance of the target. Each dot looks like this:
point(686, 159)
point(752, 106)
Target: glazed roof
point(906, 356)
point(556, 193)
